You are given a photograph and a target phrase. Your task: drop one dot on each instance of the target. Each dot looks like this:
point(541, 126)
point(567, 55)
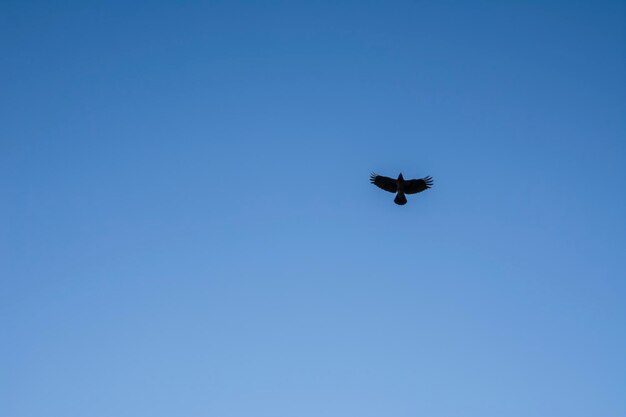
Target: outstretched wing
point(417, 186)
point(386, 183)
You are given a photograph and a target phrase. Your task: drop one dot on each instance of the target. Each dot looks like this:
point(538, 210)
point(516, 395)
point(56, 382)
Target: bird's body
point(401, 186)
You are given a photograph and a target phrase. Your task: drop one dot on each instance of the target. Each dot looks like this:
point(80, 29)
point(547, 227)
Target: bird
point(401, 186)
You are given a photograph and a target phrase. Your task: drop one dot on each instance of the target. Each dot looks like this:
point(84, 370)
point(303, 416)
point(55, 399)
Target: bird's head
point(400, 177)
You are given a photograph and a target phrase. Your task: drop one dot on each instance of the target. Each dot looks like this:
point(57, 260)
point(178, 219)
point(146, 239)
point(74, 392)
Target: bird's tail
point(400, 199)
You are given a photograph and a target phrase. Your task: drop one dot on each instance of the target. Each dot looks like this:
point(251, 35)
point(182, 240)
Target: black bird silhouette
point(401, 186)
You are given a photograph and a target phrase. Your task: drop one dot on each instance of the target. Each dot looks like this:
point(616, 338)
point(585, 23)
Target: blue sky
point(187, 226)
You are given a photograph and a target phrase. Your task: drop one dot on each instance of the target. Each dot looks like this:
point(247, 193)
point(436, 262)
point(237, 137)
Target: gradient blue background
point(187, 226)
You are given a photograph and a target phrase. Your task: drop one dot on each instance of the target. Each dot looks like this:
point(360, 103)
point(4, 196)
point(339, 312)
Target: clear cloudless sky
point(187, 227)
